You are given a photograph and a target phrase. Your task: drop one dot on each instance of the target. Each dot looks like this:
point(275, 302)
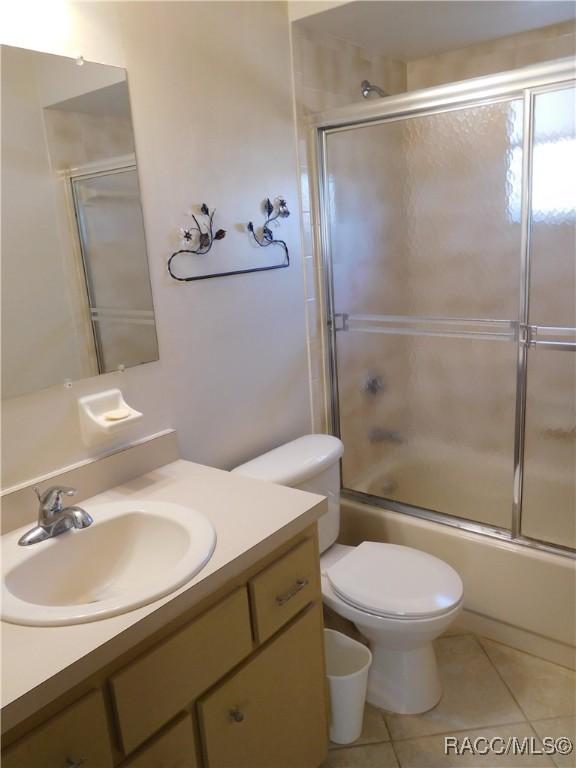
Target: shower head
point(367, 89)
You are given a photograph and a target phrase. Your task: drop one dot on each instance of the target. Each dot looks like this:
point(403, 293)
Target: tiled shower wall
point(328, 73)
point(503, 54)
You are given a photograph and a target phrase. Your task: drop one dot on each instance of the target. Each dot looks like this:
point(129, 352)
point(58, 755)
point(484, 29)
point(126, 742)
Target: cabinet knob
point(236, 715)
point(72, 762)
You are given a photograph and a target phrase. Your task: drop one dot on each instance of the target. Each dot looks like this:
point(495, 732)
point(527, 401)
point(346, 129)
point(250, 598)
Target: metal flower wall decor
point(265, 238)
point(204, 239)
point(198, 239)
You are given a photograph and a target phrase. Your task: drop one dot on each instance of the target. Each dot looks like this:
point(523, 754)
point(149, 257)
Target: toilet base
point(404, 681)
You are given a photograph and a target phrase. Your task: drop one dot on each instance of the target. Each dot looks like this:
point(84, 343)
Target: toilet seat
point(394, 581)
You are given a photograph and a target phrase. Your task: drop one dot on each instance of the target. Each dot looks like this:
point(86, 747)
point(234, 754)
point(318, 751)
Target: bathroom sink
point(133, 554)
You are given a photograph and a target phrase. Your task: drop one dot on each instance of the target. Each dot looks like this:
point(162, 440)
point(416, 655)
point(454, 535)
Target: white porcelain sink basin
point(133, 554)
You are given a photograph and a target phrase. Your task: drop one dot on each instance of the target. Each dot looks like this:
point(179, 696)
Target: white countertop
point(251, 518)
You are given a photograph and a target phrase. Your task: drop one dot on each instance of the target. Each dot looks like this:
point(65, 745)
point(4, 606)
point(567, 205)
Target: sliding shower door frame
point(518, 84)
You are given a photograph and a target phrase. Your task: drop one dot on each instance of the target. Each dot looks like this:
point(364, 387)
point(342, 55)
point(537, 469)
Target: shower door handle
point(559, 346)
point(560, 339)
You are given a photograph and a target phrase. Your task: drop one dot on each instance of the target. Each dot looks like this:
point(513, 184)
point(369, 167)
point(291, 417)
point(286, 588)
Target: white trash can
point(347, 665)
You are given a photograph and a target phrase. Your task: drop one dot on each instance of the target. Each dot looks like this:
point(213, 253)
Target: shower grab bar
point(499, 330)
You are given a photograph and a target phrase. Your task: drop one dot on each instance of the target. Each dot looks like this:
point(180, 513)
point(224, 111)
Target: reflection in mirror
point(76, 296)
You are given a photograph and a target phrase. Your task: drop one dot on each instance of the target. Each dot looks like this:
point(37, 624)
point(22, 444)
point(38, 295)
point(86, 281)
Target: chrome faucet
point(53, 518)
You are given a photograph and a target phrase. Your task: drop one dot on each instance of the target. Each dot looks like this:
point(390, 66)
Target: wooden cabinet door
point(283, 589)
point(77, 736)
point(272, 711)
point(175, 748)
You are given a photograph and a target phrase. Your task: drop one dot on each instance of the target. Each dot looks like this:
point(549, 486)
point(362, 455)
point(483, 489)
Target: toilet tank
point(310, 463)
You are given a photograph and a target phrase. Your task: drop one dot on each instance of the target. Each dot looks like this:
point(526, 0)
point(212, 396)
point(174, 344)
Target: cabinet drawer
point(272, 711)
point(175, 748)
point(76, 736)
point(154, 688)
point(284, 588)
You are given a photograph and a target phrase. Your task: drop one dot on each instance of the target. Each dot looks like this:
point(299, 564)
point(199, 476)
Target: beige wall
point(500, 55)
point(232, 375)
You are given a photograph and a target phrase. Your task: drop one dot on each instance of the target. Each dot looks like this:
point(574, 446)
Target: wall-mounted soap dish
point(105, 414)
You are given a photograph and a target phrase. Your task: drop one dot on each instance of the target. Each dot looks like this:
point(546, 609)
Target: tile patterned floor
point(490, 690)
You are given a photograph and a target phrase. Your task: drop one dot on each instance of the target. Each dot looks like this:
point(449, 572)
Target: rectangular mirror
point(76, 296)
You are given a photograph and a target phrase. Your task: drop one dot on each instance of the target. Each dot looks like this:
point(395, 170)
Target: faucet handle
point(51, 498)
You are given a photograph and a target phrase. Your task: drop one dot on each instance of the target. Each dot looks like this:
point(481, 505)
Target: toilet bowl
point(404, 674)
point(399, 598)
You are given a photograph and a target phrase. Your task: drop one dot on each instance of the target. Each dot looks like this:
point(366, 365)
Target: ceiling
point(411, 29)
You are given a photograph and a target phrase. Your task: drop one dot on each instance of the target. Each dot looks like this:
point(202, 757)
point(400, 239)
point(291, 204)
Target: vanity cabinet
point(239, 684)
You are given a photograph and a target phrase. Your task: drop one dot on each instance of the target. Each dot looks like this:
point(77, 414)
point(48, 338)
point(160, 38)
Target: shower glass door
point(425, 235)
point(549, 503)
point(449, 241)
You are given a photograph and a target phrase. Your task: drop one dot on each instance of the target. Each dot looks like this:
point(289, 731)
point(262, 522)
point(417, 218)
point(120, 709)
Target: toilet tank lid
point(295, 462)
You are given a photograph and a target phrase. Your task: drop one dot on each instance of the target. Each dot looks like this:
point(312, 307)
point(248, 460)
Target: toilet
point(399, 598)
